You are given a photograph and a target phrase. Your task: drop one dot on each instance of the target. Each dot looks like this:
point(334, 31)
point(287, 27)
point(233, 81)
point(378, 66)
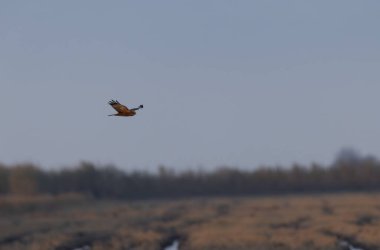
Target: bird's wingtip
point(112, 102)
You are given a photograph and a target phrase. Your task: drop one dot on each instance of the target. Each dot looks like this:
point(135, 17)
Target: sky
point(223, 83)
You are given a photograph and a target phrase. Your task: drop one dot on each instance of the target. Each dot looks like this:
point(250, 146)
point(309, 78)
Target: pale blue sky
point(239, 83)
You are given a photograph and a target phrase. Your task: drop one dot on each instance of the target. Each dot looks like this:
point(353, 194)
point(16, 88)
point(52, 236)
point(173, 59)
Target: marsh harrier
point(123, 110)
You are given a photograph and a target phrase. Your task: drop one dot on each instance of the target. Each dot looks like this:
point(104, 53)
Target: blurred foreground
point(278, 222)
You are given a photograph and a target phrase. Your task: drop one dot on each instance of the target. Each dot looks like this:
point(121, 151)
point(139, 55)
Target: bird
point(123, 110)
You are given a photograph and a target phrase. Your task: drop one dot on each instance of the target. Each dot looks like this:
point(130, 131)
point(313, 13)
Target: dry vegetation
point(285, 222)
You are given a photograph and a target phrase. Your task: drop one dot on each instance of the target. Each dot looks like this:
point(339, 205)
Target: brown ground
point(292, 222)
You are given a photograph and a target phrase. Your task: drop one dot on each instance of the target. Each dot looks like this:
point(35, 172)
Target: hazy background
point(238, 83)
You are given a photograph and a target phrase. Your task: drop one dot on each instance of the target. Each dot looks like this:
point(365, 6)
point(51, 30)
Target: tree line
point(347, 173)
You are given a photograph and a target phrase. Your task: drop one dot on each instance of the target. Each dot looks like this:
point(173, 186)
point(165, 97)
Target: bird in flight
point(123, 110)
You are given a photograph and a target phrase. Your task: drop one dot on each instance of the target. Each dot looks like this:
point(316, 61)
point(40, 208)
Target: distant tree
point(4, 175)
point(24, 179)
point(348, 156)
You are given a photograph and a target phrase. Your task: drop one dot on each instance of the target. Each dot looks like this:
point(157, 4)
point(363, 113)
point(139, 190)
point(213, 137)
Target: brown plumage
point(123, 110)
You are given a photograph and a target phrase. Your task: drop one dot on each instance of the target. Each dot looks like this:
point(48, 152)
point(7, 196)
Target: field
point(285, 222)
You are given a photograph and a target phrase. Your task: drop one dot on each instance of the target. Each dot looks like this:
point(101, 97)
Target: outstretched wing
point(118, 107)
